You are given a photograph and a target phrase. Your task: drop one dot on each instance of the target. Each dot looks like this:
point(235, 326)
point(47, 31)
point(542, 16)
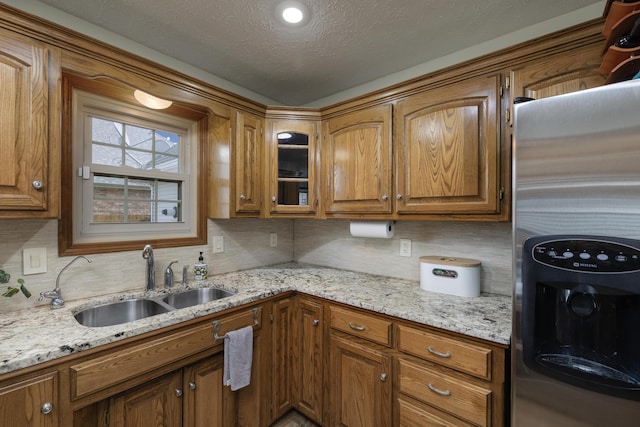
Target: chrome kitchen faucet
point(56, 294)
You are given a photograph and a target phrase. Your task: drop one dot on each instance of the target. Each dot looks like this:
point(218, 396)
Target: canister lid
point(445, 260)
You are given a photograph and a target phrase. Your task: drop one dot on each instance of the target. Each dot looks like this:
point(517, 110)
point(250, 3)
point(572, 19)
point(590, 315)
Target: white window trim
point(84, 231)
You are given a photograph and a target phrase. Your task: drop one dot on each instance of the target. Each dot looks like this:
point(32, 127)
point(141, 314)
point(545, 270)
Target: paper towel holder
point(372, 229)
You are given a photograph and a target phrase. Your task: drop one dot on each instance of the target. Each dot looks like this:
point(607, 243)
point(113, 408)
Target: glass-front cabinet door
point(292, 168)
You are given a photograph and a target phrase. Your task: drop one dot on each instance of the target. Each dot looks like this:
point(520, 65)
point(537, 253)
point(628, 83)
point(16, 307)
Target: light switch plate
point(218, 244)
point(273, 240)
point(34, 261)
point(405, 247)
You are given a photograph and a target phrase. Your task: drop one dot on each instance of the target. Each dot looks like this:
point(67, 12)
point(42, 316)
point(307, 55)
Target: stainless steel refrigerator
point(576, 230)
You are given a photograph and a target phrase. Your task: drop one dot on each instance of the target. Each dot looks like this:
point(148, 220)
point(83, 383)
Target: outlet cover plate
point(405, 247)
point(34, 261)
point(218, 244)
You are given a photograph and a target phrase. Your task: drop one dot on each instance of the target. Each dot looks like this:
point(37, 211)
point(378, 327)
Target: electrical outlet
point(218, 244)
point(273, 240)
point(405, 247)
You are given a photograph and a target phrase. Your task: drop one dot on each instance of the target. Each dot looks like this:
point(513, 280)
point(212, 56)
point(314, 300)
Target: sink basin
point(195, 296)
point(120, 312)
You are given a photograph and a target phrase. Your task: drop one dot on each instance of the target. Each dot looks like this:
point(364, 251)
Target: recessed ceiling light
point(292, 12)
point(292, 15)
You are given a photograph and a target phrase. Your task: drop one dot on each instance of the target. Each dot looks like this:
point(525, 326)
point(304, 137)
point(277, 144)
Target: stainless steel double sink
point(116, 313)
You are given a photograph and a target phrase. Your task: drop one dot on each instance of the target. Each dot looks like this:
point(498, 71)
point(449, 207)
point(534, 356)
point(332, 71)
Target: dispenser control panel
point(597, 255)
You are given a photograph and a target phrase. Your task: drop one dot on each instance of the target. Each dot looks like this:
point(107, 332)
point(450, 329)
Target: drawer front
point(105, 371)
point(419, 415)
point(452, 395)
point(469, 358)
point(111, 369)
point(361, 325)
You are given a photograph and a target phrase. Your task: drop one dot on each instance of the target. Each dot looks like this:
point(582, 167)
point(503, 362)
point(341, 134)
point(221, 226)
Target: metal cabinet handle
point(356, 327)
point(438, 391)
point(37, 185)
point(179, 392)
point(192, 385)
point(46, 409)
point(385, 197)
point(243, 197)
point(383, 377)
point(398, 196)
point(273, 199)
point(437, 353)
point(316, 322)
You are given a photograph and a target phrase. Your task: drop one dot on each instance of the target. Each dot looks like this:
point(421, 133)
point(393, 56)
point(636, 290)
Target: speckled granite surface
point(37, 335)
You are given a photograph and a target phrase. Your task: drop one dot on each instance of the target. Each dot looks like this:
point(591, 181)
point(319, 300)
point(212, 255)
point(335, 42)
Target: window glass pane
point(139, 137)
point(293, 138)
point(293, 162)
point(138, 159)
point(106, 155)
point(293, 193)
point(106, 132)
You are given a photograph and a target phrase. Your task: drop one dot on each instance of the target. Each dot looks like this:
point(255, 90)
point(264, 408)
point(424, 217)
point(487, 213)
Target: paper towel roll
point(377, 229)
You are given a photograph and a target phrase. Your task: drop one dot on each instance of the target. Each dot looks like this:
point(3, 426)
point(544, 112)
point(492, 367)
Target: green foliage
point(11, 290)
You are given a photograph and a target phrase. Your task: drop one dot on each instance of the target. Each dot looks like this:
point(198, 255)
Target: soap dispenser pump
point(200, 269)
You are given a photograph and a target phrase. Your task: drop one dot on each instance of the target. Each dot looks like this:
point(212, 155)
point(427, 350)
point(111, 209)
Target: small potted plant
point(11, 290)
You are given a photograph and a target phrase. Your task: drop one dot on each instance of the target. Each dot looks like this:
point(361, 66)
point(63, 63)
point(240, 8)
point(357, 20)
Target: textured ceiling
point(346, 43)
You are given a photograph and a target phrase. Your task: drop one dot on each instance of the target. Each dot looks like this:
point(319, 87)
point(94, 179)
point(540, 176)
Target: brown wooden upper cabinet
point(447, 149)
point(356, 162)
point(558, 74)
point(248, 160)
point(27, 188)
point(291, 168)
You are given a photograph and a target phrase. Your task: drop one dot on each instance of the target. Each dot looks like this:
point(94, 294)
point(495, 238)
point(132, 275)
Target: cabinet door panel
point(248, 164)
point(357, 162)
point(208, 403)
point(281, 357)
point(21, 404)
point(24, 124)
point(307, 365)
point(447, 150)
point(360, 385)
point(559, 74)
point(154, 404)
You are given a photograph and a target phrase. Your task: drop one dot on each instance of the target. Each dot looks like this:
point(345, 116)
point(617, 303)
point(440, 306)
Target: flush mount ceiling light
point(151, 101)
point(292, 13)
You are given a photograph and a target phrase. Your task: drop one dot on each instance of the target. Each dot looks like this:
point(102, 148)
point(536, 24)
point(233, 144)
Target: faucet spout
point(147, 253)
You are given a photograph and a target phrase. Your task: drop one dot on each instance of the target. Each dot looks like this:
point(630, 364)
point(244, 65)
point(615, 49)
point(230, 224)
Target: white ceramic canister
point(450, 275)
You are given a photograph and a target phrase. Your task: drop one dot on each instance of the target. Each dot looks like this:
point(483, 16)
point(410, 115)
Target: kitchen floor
point(294, 419)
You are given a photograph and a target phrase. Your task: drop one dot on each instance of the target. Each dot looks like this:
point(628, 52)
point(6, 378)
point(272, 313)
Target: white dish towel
point(238, 356)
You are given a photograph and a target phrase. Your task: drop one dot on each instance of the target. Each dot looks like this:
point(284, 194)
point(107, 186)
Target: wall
point(246, 245)
point(329, 243)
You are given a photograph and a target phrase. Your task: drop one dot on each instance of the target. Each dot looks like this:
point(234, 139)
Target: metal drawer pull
point(46, 409)
point(316, 322)
point(356, 327)
point(179, 392)
point(383, 377)
point(192, 385)
point(37, 185)
point(437, 353)
point(440, 392)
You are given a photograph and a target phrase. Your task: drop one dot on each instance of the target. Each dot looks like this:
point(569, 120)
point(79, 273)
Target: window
point(134, 176)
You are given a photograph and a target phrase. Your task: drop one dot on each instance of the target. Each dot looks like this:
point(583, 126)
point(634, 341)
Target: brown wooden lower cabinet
point(340, 366)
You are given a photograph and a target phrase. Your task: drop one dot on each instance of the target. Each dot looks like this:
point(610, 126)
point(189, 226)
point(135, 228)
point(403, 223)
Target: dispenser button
point(584, 255)
point(602, 257)
point(567, 254)
point(621, 258)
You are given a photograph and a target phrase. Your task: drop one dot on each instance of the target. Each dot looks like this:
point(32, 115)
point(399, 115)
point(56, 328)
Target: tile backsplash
point(246, 245)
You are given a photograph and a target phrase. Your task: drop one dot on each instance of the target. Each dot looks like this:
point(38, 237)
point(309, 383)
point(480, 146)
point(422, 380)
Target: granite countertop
point(40, 334)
